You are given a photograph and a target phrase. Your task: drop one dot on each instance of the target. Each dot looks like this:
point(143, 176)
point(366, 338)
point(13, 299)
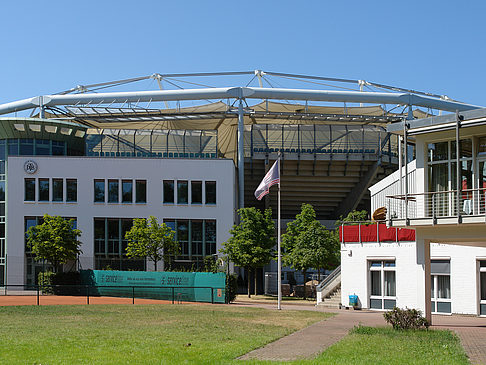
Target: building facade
point(443, 270)
point(103, 195)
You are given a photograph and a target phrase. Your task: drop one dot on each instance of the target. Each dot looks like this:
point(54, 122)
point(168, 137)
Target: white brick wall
point(410, 272)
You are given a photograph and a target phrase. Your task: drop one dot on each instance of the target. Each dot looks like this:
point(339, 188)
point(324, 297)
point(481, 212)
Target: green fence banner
point(177, 286)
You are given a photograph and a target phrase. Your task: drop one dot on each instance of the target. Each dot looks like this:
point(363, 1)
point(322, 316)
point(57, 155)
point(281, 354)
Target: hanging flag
point(271, 178)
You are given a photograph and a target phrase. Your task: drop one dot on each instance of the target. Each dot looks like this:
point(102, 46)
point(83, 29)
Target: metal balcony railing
point(451, 203)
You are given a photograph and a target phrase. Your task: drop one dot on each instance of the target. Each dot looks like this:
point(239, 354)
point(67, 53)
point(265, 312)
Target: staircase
point(329, 290)
point(333, 300)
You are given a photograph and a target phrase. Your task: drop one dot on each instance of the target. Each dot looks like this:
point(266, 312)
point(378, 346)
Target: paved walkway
point(472, 332)
point(314, 339)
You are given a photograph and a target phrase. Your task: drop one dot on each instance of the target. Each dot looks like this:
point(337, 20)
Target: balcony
point(442, 207)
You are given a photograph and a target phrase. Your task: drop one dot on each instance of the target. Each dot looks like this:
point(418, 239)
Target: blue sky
point(435, 46)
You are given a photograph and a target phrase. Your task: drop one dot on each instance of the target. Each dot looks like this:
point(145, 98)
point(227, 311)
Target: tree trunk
point(318, 275)
point(155, 265)
point(304, 272)
point(255, 279)
point(248, 280)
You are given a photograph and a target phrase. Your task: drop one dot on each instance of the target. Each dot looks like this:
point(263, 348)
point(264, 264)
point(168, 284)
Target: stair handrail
point(329, 278)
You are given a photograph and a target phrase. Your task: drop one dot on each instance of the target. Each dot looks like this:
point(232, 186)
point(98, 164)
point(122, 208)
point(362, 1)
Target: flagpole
point(279, 254)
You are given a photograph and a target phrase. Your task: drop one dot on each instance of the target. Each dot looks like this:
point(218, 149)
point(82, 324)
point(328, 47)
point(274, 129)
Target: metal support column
point(400, 166)
point(41, 107)
point(241, 156)
point(405, 148)
point(458, 169)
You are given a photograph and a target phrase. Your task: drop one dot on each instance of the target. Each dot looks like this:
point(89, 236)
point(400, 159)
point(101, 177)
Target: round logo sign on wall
point(30, 167)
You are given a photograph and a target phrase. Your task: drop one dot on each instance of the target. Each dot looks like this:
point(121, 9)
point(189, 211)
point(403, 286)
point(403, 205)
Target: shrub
point(403, 319)
point(232, 287)
point(45, 280)
point(61, 283)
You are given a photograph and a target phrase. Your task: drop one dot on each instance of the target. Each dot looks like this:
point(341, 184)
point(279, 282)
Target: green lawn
point(141, 334)
point(196, 334)
point(367, 345)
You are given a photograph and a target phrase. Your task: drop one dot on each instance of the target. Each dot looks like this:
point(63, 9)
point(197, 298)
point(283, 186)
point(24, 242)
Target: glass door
point(480, 194)
point(482, 288)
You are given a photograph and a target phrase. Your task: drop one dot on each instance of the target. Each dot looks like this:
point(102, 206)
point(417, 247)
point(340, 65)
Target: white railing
point(438, 204)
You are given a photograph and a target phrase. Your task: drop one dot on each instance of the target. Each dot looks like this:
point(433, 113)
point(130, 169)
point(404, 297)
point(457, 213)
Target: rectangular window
point(382, 284)
point(182, 193)
point(210, 192)
point(57, 190)
point(27, 147)
point(99, 191)
point(71, 190)
point(390, 283)
point(440, 286)
point(197, 238)
point(196, 192)
point(44, 190)
point(42, 147)
point(126, 225)
point(113, 191)
point(57, 148)
point(13, 147)
point(376, 283)
point(127, 191)
point(210, 237)
point(99, 235)
point(183, 236)
point(113, 236)
point(438, 151)
point(29, 195)
point(169, 191)
point(141, 191)
point(2, 191)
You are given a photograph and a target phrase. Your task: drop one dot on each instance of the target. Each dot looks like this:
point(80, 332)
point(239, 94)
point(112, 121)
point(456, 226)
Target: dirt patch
point(9, 300)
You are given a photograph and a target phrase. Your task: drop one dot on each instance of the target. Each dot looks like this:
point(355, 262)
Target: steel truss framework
point(85, 104)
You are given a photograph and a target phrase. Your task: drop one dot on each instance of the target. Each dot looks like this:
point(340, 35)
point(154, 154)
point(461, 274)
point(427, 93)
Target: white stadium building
point(106, 153)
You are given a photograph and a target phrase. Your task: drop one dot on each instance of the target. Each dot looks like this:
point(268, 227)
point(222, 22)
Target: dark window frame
point(194, 190)
point(182, 187)
point(71, 190)
point(168, 186)
point(210, 195)
point(141, 194)
point(126, 193)
point(102, 192)
point(32, 194)
point(113, 191)
point(42, 193)
point(56, 197)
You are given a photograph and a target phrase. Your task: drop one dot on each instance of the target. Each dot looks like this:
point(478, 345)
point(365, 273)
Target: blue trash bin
point(353, 300)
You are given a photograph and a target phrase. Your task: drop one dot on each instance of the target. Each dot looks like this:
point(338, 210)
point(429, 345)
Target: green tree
point(308, 244)
point(353, 217)
point(327, 250)
point(55, 240)
point(252, 243)
point(149, 239)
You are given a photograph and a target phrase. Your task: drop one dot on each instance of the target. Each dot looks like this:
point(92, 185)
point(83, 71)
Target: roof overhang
point(235, 93)
point(471, 118)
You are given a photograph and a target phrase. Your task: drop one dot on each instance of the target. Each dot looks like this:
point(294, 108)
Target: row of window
point(383, 285)
point(117, 191)
point(62, 190)
point(196, 237)
point(197, 191)
point(120, 189)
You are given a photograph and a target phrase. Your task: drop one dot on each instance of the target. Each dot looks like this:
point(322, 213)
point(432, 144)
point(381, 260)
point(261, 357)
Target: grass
point(196, 334)
point(272, 299)
point(148, 334)
point(368, 345)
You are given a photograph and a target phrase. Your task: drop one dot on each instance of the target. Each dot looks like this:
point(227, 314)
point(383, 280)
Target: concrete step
point(333, 301)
